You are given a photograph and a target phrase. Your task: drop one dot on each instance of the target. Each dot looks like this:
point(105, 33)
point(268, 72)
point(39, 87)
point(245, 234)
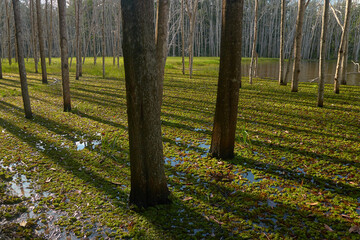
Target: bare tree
point(41, 42)
point(34, 34)
point(191, 8)
point(325, 20)
point(8, 28)
point(297, 45)
point(223, 136)
point(21, 62)
point(342, 49)
point(103, 38)
point(148, 181)
point(182, 37)
point(251, 70)
point(78, 45)
point(64, 55)
point(282, 81)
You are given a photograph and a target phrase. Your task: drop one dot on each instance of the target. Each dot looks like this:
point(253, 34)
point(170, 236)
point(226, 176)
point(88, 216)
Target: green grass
point(295, 174)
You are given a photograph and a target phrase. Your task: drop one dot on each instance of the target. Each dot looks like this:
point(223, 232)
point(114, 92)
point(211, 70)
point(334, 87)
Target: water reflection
point(308, 71)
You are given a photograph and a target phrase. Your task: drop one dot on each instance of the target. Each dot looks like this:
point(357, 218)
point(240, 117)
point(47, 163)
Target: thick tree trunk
point(182, 37)
point(223, 136)
point(342, 47)
point(297, 48)
point(148, 181)
point(253, 53)
point(64, 55)
point(8, 28)
point(41, 42)
point(161, 38)
point(21, 62)
point(325, 20)
point(282, 28)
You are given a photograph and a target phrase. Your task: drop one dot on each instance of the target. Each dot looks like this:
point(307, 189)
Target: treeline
point(206, 31)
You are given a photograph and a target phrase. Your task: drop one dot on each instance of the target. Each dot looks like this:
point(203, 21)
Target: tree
point(34, 34)
point(325, 20)
point(78, 37)
point(253, 53)
point(297, 45)
point(41, 42)
point(282, 81)
point(49, 27)
point(182, 37)
point(148, 181)
point(191, 8)
point(21, 62)
point(223, 136)
point(342, 49)
point(8, 30)
point(103, 38)
point(64, 55)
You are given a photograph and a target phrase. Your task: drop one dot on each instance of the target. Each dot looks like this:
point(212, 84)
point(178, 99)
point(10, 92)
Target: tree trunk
point(8, 30)
point(161, 38)
point(77, 26)
point(282, 35)
point(342, 48)
point(103, 39)
point(148, 181)
point(325, 20)
point(34, 35)
point(192, 11)
point(182, 37)
point(21, 62)
point(41, 42)
point(344, 59)
point(50, 32)
point(297, 48)
point(64, 55)
point(253, 53)
point(223, 136)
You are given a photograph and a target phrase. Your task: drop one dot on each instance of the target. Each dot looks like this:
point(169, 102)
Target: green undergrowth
point(295, 174)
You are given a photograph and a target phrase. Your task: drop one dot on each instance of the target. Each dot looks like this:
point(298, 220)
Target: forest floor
point(66, 175)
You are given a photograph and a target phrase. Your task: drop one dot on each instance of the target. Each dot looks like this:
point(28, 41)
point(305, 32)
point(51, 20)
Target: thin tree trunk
point(297, 47)
point(223, 136)
point(325, 20)
point(342, 48)
point(344, 60)
point(192, 11)
point(41, 42)
point(182, 37)
point(34, 34)
point(80, 38)
point(282, 35)
point(8, 30)
point(21, 62)
point(50, 32)
point(64, 55)
point(77, 26)
point(253, 53)
point(148, 181)
point(103, 39)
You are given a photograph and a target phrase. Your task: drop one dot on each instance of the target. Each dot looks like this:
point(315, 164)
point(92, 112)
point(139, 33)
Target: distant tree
point(21, 62)
point(148, 181)
point(49, 27)
point(253, 53)
point(191, 9)
point(340, 66)
point(78, 37)
point(223, 136)
point(8, 28)
point(297, 45)
point(41, 42)
point(103, 37)
point(325, 20)
point(64, 55)
point(34, 34)
point(282, 80)
point(182, 37)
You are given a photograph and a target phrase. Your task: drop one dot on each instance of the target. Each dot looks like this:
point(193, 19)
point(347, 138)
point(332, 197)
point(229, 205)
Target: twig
point(357, 64)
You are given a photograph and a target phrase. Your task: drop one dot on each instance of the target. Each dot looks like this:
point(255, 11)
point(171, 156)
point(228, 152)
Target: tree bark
point(282, 35)
point(103, 38)
point(223, 136)
point(64, 55)
point(342, 48)
point(148, 182)
point(325, 20)
point(8, 28)
point(21, 62)
point(253, 53)
point(161, 38)
point(34, 35)
point(41, 42)
point(297, 48)
point(77, 26)
point(182, 37)
point(192, 11)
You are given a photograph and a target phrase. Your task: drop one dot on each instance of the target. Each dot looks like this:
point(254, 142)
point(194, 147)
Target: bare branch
point(337, 17)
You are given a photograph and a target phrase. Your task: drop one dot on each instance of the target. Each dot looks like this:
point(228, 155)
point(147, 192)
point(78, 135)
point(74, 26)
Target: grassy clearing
point(295, 174)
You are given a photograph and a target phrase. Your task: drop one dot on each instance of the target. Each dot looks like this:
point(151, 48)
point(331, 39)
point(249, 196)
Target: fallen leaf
point(48, 180)
point(328, 228)
point(345, 216)
point(23, 223)
point(220, 163)
point(53, 169)
point(354, 229)
point(313, 204)
point(187, 198)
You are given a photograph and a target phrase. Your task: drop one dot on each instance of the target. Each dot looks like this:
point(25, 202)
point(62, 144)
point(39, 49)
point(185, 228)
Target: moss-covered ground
point(295, 174)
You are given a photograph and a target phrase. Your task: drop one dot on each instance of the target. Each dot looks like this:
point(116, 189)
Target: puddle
point(250, 177)
point(204, 146)
point(81, 145)
point(20, 186)
point(271, 203)
point(301, 170)
point(173, 161)
point(40, 145)
point(199, 130)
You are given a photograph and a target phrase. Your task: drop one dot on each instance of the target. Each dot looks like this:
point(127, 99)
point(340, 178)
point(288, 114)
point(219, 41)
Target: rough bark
point(8, 28)
point(223, 136)
point(148, 182)
point(64, 55)
point(161, 38)
point(325, 20)
point(253, 53)
point(21, 62)
point(297, 47)
point(281, 58)
point(41, 42)
point(342, 48)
